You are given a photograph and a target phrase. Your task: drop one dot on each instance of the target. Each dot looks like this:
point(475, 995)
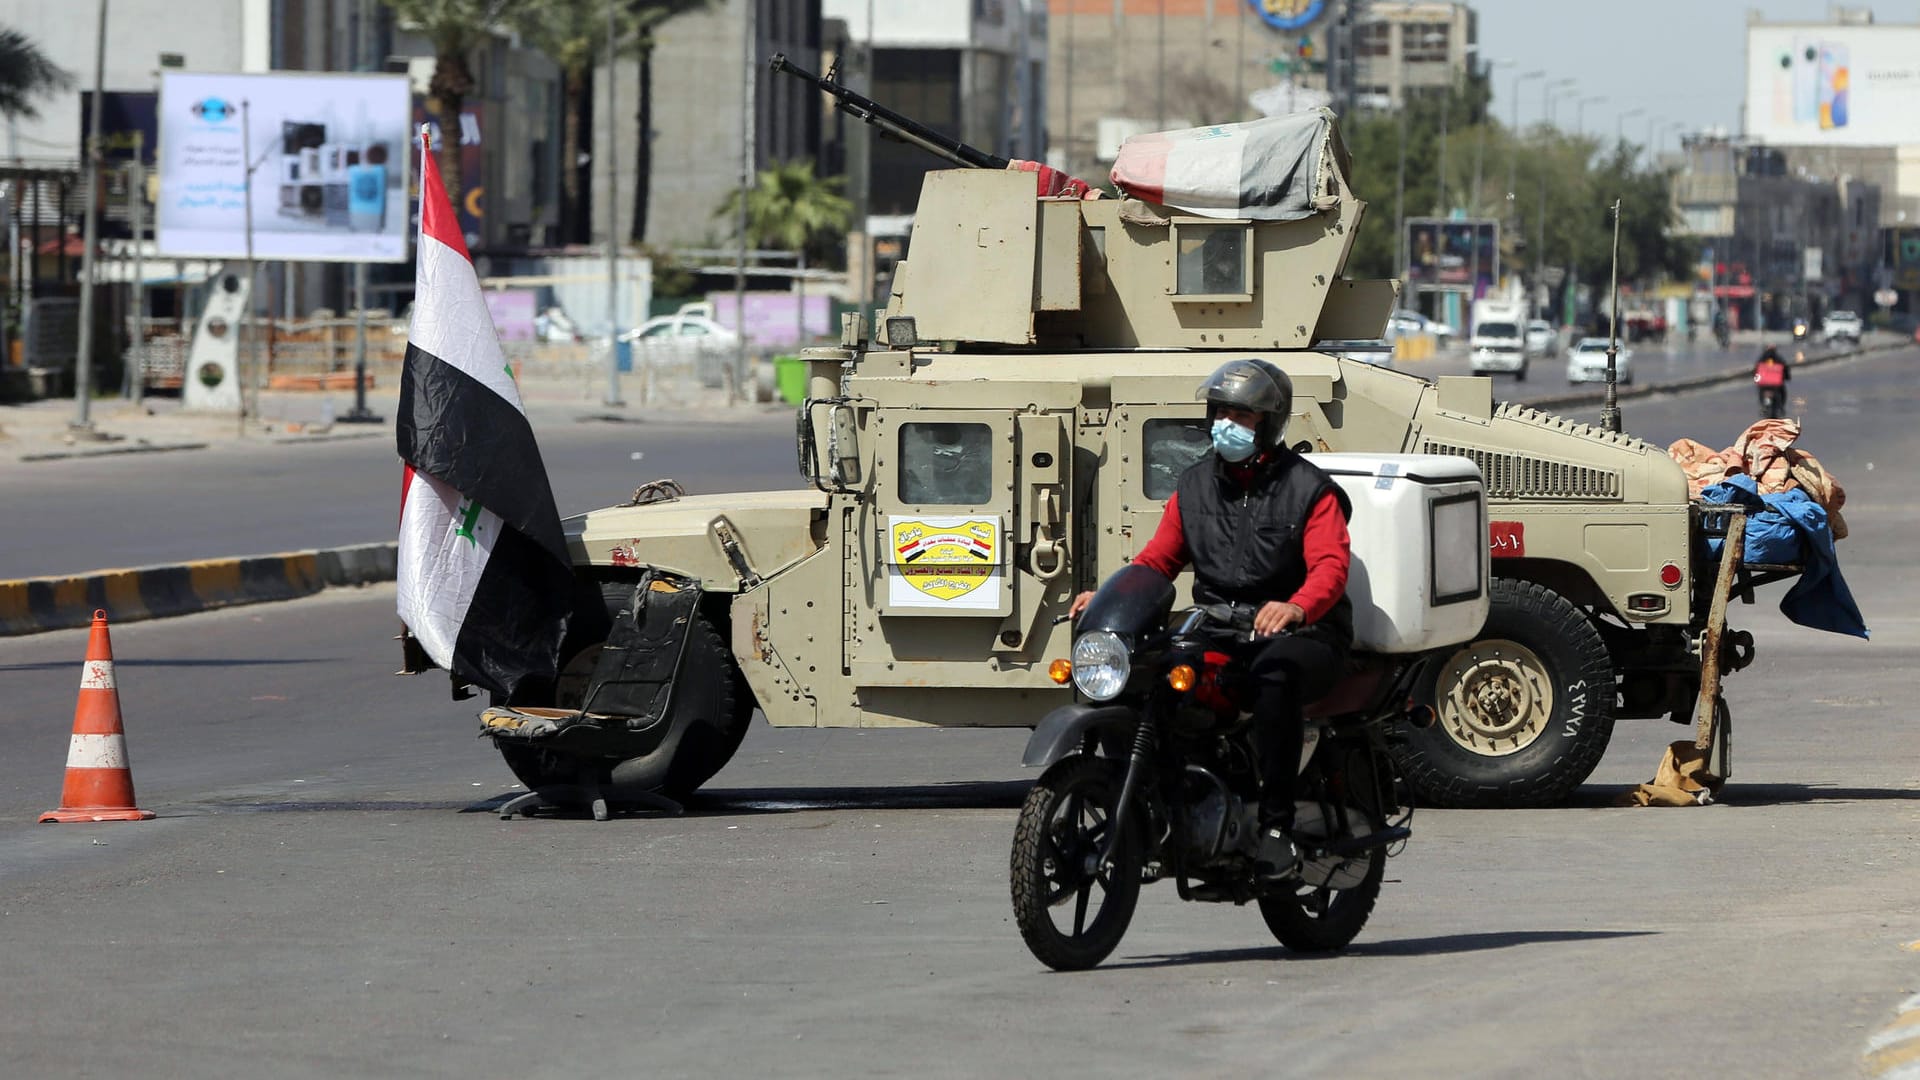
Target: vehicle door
point(960, 557)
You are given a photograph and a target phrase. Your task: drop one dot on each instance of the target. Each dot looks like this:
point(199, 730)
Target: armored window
point(1171, 446)
point(946, 464)
point(1213, 260)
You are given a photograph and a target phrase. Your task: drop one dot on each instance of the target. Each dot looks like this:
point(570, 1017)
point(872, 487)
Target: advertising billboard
point(330, 159)
point(1461, 255)
point(1833, 85)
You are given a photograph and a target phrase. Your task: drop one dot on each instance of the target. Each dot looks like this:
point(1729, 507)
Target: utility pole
point(748, 37)
point(613, 221)
point(1513, 138)
point(249, 359)
point(136, 198)
point(82, 426)
point(1620, 125)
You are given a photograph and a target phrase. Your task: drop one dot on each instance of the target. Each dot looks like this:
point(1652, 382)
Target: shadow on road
point(120, 665)
point(722, 802)
point(1790, 794)
point(1430, 946)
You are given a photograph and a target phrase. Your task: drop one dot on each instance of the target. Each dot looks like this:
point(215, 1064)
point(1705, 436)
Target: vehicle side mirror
point(843, 446)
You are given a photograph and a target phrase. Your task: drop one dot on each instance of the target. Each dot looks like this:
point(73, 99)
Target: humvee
point(1005, 434)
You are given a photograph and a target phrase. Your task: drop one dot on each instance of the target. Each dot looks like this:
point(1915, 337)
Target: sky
point(1679, 60)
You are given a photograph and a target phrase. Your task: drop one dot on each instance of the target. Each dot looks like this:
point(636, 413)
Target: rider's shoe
point(1278, 858)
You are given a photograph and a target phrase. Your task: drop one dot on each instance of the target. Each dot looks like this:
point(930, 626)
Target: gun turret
point(891, 123)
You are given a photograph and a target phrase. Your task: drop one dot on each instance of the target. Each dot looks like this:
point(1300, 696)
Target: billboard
point(129, 121)
point(330, 156)
point(1819, 85)
point(1455, 254)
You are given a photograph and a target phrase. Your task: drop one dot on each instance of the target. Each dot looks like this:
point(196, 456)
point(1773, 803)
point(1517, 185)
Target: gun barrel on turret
point(892, 123)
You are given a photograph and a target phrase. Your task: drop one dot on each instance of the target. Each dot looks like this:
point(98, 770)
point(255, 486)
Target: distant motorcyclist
point(1770, 375)
point(1265, 528)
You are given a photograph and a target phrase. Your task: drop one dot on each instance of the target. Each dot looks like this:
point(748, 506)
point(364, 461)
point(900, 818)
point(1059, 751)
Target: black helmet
point(1771, 353)
point(1256, 386)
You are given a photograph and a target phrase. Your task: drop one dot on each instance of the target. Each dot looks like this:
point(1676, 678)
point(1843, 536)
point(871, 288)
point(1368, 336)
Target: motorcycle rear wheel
point(1063, 827)
point(1317, 919)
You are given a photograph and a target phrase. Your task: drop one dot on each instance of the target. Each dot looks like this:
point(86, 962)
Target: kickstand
point(533, 800)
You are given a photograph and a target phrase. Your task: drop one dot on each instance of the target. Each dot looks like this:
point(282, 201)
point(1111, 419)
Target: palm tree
point(455, 28)
point(26, 74)
point(648, 14)
point(573, 34)
point(791, 209)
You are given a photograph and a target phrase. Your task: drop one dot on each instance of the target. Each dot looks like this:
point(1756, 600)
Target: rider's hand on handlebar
point(1079, 604)
point(1275, 616)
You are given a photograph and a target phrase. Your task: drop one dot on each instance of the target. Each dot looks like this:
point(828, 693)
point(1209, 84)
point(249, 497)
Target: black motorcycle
point(1773, 402)
point(1156, 778)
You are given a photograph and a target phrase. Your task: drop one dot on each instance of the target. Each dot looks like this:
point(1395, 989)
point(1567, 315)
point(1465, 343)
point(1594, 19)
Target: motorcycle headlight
point(1100, 664)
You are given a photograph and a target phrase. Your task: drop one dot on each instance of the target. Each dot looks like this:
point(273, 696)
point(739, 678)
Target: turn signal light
point(1181, 677)
point(1060, 671)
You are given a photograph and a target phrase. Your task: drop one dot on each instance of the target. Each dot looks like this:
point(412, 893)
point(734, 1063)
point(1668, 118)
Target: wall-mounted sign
point(1288, 14)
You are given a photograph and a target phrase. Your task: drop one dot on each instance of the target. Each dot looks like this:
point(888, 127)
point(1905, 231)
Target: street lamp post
point(1480, 146)
point(1513, 136)
point(1547, 96)
point(1620, 125)
point(82, 426)
point(1580, 113)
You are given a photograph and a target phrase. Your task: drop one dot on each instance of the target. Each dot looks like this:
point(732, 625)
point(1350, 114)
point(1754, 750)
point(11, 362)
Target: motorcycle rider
point(1770, 374)
point(1266, 528)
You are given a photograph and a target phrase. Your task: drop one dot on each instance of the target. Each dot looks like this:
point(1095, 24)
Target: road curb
point(1599, 397)
point(35, 605)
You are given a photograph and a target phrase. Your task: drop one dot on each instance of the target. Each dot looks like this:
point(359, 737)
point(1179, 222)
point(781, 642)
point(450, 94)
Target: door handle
point(1049, 555)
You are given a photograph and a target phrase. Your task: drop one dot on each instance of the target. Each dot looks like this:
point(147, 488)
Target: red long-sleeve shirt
point(1327, 548)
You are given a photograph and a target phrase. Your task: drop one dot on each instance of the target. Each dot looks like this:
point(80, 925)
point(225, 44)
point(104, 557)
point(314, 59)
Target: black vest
point(1246, 542)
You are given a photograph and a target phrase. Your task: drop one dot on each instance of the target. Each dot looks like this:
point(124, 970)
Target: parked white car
point(1841, 326)
point(1541, 338)
point(685, 341)
point(1406, 321)
point(1587, 362)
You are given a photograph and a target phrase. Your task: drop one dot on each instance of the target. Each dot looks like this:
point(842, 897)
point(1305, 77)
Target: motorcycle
point(1156, 778)
point(1800, 331)
point(1773, 402)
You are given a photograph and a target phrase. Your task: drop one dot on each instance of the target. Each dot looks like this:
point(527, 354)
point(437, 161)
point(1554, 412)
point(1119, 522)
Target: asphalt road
point(324, 893)
point(80, 515)
point(1651, 363)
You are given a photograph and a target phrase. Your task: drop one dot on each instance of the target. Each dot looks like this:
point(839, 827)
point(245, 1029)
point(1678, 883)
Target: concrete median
point(1577, 398)
point(33, 605)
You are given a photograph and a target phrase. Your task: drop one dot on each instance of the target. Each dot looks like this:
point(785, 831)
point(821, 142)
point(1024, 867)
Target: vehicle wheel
point(1056, 848)
point(704, 725)
point(1521, 374)
point(1524, 712)
point(1313, 918)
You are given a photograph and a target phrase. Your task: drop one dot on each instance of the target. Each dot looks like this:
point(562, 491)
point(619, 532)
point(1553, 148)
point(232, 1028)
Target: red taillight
point(1671, 576)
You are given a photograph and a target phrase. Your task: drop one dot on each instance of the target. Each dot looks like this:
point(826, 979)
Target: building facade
point(700, 76)
point(1121, 67)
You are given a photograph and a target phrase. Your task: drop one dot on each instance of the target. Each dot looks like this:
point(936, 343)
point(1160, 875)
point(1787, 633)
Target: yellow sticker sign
point(945, 558)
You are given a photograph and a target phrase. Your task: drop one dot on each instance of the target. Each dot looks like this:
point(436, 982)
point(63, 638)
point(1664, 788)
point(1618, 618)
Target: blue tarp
point(1788, 527)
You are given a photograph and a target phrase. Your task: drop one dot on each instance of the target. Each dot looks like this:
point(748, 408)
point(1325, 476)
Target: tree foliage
point(455, 28)
point(26, 75)
point(791, 209)
point(1573, 178)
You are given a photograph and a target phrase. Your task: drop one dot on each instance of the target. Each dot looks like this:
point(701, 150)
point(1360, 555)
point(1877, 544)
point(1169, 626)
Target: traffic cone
point(99, 784)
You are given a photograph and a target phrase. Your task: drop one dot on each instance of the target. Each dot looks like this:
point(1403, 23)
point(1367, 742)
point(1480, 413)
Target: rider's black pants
point(1290, 671)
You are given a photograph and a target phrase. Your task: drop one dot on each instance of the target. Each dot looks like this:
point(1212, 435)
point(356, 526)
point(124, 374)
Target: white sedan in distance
point(1587, 362)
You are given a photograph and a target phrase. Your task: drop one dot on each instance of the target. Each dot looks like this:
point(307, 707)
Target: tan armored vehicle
point(1006, 437)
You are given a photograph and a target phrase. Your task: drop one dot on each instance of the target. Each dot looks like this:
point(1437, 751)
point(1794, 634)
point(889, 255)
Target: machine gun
point(890, 123)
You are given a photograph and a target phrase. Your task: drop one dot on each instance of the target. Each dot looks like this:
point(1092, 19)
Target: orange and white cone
point(99, 783)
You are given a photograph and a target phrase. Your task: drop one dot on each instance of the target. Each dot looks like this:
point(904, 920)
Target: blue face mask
point(1232, 441)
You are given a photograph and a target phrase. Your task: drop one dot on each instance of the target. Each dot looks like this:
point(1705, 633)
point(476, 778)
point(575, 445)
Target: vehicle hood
point(726, 541)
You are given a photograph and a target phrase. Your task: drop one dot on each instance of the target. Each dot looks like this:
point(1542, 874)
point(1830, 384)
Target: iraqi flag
point(485, 584)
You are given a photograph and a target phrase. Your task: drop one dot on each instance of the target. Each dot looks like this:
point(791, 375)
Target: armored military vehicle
point(1004, 435)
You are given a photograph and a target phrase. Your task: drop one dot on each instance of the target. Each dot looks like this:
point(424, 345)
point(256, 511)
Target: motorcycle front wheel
point(1072, 910)
point(1313, 918)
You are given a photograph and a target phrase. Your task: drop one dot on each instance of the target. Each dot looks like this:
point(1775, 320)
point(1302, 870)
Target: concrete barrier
point(33, 605)
point(1574, 398)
